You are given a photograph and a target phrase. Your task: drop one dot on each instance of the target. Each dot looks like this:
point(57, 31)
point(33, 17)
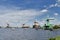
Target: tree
point(56, 27)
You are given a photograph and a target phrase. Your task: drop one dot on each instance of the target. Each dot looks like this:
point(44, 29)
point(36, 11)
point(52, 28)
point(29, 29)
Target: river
point(27, 34)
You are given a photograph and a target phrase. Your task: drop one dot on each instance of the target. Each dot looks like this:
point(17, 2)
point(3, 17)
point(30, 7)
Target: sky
point(18, 12)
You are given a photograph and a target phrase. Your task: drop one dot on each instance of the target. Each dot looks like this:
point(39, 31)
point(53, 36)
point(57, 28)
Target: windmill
point(8, 25)
point(48, 25)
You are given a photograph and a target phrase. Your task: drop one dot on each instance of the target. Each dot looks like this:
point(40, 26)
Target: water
point(27, 34)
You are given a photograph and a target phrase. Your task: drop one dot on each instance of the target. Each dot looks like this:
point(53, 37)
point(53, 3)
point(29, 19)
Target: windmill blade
point(51, 19)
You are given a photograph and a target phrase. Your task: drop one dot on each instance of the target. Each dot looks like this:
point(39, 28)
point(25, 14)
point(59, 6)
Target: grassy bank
point(56, 38)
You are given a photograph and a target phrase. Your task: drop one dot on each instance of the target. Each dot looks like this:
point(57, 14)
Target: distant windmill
point(7, 25)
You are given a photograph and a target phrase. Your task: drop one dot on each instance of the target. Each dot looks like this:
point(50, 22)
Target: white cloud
point(13, 16)
point(44, 10)
point(53, 5)
point(56, 14)
point(57, 4)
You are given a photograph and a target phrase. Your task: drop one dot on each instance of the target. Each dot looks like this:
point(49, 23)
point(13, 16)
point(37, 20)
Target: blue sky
point(17, 12)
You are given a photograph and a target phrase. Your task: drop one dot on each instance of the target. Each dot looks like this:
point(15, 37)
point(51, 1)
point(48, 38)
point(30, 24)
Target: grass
point(56, 38)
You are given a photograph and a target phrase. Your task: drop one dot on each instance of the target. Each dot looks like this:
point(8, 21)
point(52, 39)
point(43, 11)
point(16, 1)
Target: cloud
point(44, 10)
point(16, 17)
point(56, 14)
point(57, 4)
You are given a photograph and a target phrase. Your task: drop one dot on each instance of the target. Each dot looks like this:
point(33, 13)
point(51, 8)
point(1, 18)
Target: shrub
point(56, 27)
point(52, 39)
